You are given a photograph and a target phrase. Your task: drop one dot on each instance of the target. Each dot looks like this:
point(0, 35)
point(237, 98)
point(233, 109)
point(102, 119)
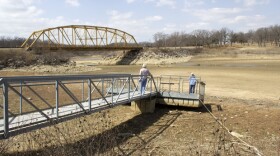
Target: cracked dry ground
point(170, 130)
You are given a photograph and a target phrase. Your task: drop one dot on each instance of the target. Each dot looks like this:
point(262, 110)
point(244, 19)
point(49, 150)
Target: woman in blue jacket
point(192, 82)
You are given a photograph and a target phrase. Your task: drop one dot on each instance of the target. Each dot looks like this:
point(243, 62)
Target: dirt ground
point(242, 92)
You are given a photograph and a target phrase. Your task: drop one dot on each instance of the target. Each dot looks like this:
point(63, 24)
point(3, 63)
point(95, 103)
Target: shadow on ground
point(128, 57)
point(126, 138)
point(191, 109)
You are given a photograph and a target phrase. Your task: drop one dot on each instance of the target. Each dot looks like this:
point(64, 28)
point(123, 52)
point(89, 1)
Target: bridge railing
point(50, 98)
point(175, 83)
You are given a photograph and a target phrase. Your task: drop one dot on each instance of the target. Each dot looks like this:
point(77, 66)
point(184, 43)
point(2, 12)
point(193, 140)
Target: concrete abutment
point(145, 105)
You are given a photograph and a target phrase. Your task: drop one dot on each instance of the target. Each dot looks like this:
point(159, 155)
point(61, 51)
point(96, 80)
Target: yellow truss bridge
point(81, 37)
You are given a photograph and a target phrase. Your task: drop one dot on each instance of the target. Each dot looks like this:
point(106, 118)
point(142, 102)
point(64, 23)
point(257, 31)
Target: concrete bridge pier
point(145, 105)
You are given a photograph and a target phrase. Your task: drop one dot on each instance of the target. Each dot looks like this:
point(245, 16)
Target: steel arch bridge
point(81, 37)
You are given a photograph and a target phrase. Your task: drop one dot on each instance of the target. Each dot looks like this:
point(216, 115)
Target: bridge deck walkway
point(21, 122)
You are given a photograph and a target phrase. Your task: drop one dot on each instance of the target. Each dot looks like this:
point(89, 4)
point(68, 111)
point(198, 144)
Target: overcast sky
point(141, 18)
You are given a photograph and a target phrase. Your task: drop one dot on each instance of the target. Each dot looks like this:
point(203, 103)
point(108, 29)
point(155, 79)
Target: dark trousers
point(192, 89)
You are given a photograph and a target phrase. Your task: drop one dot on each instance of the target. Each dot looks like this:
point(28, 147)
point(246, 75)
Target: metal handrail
point(101, 91)
point(178, 81)
point(62, 87)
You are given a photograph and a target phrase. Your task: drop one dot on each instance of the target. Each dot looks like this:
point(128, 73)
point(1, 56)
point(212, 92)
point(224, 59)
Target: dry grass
point(16, 58)
point(241, 51)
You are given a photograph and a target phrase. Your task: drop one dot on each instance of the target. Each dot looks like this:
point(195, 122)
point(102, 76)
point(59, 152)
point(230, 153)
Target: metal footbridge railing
point(30, 102)
point(174, 90)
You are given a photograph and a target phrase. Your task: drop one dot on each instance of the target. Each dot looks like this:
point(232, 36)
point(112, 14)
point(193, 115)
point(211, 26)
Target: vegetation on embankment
point(15, 58)
point(152, 56)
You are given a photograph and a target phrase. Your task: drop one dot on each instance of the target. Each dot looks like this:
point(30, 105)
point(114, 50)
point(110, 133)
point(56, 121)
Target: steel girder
point(81, 37)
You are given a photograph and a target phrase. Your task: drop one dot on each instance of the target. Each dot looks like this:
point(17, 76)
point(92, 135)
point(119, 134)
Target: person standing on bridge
point(144, 73)
point(192, 83)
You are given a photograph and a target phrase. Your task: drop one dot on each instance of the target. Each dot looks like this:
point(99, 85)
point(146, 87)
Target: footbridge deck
point(31, 102)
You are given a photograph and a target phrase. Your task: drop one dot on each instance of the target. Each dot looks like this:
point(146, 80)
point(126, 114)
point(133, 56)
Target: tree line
point(11, 42)
point(224, 36)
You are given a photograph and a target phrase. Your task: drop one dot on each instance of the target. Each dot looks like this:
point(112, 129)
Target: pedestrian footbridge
point(32, 102)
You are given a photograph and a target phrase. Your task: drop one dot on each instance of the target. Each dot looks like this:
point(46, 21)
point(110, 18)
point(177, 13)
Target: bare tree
point(160, 39)
point(202, 37)
point(224, 35)
point(233, 37)
point(241, 38)
point(8, 42)
point(250, 36)
point(187, 40)
point(261, 36)
point(174, 39)
point(275, 34)
point(215, 37)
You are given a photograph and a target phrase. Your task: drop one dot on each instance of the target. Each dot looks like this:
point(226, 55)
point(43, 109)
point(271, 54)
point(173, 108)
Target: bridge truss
point(81, 37)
